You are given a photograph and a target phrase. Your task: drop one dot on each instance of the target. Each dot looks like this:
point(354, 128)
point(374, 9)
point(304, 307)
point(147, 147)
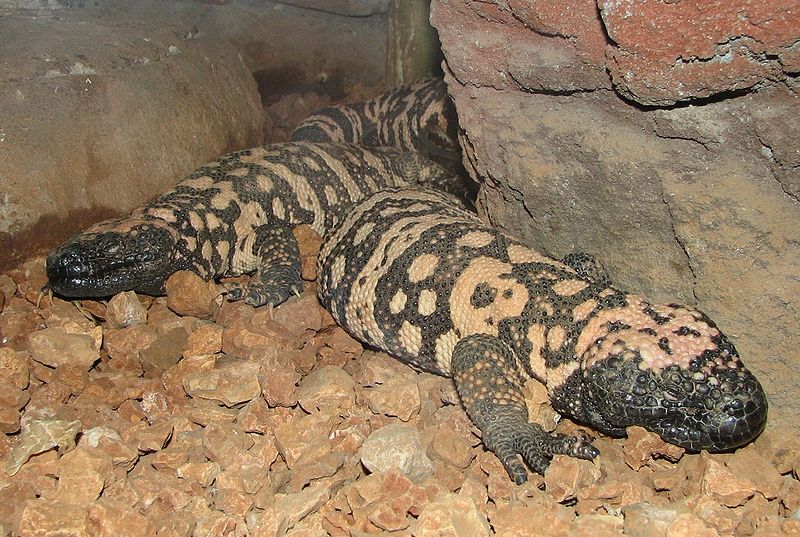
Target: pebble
point(125, 309)
point(397, 446)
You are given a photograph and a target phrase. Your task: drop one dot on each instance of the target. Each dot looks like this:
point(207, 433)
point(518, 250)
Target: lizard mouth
point(692, 407)
point(95, 265)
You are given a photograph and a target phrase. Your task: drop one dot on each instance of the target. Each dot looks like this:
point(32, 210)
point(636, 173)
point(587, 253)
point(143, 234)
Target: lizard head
point(670, 370)
point(113, 256)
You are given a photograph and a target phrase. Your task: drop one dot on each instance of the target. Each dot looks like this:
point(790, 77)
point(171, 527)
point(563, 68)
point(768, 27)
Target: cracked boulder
point(692, 204)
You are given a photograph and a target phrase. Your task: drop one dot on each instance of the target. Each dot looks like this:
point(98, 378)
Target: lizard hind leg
point(485, 373)
point(277, 275)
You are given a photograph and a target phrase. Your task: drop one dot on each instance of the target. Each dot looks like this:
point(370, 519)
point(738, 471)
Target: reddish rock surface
point(695, 204)
point(665, 52)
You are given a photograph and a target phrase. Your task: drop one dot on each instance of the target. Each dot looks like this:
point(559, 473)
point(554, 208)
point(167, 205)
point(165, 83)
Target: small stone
point(233, 383)
point(254, 417)
point(397, 446)
point(748, 464)
point(566, 475)
point(449, 446)
point(398, 396)
point(164, 352)
point(82, 476)
point(724, 486)
point(203, 473)
point(327, 388)
point(110, 519)
point(276, 333)
point(204, 412)
point(174, 377)
point(642, 445)
point(205, 339)
point(38, 436)
point(18, 320)
point(540, 411)
point(123, 346)
point(688, 525)
point(650, 521)
point(125, 309)
point(287, 511)
point(340, 341)
point(189, 295)
point(451, 514)
point(148, 438)
point(300, 315)
point(232, 502)
point(54, 347)
point(45, 517)
point(296, 437)
point(14, 367)
point(309, 243)
point(279, 379)
point(72, 376)
point(224, 443)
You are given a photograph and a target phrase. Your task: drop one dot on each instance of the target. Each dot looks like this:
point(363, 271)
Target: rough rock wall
point(101, 115)
point(107, 103)
point(692, 200)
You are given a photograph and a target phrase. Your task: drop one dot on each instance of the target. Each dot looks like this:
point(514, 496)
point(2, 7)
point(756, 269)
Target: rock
point(300, 315)
point(451, 514)
point(279, 379)
point(399, 397)
point(298, 436)
point(396, 446)
point(326, 389)
point(566, 475)
point(254, 417)
point(125, 309)
point(164, 352)
point(41, 435)
point(309, 242)
point(148, 438)
point(82, 474)
point(714, 55)
point(109, 519)
point(449, 446)
point(232, 383)
point(642, 520)
point(14, 367)
point(174, 377)
point(641, 445)
point(54, 347)
point(203, 473)
point(224, 443)
point(123, 346)
point(747, 464)
point(644, 187)
point(189, 295)
point(50, 519)
point(129, 78)
point(205, 339)
point(722, 485)
point(287, 511)
point(17, 320)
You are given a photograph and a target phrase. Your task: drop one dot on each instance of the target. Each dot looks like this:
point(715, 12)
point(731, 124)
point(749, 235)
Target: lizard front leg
point(277, 274)
point(484, 370)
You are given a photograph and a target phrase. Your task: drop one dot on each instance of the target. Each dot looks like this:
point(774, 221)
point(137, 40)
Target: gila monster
point(412, 273)
point(231, 217)
point(418, 117)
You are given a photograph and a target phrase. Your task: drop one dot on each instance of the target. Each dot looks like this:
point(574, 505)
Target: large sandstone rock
point(695, 204)
point(100, 115)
